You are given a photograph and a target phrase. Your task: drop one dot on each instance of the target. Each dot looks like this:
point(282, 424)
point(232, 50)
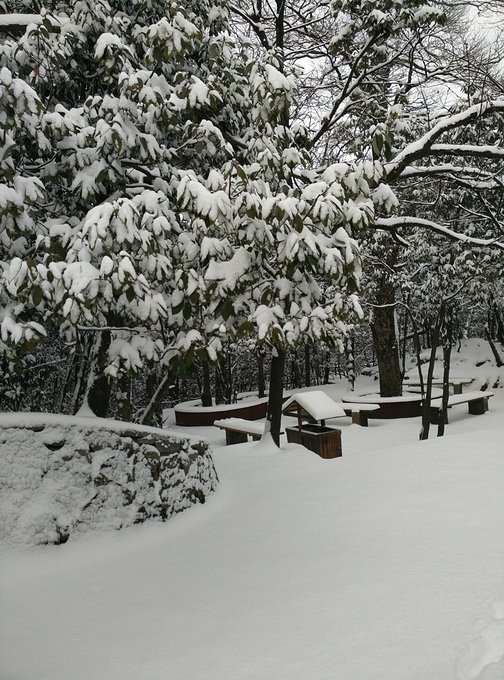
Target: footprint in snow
point(486, 649)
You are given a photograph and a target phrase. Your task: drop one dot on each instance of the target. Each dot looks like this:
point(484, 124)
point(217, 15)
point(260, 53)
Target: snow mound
point(61, 479)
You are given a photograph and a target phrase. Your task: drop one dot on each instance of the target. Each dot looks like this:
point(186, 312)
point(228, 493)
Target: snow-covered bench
point(359, 412)
point(477, 402)
point(238, 429)
point(456, 383)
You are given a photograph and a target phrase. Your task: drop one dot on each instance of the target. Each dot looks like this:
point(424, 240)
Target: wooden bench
point(238, 430)
point(456, 383)
point(477, 403)
point(359, 412)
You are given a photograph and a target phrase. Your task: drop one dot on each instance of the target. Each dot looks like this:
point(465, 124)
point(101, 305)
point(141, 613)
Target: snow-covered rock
point(61, 476)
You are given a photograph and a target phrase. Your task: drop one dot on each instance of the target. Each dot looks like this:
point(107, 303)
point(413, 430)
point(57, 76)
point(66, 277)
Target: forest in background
point(212, 198)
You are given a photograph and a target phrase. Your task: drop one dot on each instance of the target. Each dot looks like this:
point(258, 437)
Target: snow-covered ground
point(385, 564)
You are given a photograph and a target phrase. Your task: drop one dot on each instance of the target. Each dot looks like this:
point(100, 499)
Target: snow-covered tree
point(168, 203)
point(168, 190)
point(377, 83)
point(111, 126)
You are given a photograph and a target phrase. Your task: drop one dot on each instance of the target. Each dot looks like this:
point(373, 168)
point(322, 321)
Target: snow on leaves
point(166, 194)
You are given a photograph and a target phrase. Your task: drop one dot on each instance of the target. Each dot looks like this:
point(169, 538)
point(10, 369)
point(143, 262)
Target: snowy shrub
point(61, 476)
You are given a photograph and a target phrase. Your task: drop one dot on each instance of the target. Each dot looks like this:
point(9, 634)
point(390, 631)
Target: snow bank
point(68, 476)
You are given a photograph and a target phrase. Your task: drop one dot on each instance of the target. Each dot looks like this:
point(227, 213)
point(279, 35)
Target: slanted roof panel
point(317, 404)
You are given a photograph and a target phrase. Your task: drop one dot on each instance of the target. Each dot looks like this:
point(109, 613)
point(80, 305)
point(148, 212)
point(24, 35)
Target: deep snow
point(385, 564)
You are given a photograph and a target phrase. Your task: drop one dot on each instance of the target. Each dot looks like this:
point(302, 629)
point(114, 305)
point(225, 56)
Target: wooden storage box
point(324, 441)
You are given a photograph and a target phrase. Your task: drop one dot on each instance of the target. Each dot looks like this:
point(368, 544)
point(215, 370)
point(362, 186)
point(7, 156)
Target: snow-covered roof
point(317, 404)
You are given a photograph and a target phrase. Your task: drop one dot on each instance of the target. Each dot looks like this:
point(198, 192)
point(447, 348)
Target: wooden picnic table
point(238, 429)
point(456, 383)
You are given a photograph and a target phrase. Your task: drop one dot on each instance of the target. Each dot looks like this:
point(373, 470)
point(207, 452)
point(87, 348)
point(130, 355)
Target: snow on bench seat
point(456, 383)
point(355, 407)
point(477, 402)
point(359, 411)
point(238, 429)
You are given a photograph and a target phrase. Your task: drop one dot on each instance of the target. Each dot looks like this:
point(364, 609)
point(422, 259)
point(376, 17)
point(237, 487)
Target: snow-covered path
point(386, 564)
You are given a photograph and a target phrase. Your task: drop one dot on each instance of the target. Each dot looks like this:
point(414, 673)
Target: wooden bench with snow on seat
point(456, 383)
point(359, 412)
point(238, 430)
point(477, 403)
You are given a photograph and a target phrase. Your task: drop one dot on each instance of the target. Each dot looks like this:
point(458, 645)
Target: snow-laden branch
point(444, 169)
point(423, 147)
point(468, 150)
point(18, 22)
point(391, 223)
point(467, 176)
point(257, 27)
point(352, 82)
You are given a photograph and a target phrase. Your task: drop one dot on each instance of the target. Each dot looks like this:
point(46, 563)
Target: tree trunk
point(404, 344)
point(418, 352)
point(350, 361)
point(206, 392)
point(499, 325)
point(98, 396)
point(307, 366)
point(83, 354)
point(275, 397)
point(124, 410)
point(494, 349)
point(153, 412)
point(447, 347)
point(426, 406)
point(227, 377)
point(296, 374)
point(337, 365)
point(261, 383)
point(64, 383)
point(327, 369)
point(386, 344)
point(219, 387)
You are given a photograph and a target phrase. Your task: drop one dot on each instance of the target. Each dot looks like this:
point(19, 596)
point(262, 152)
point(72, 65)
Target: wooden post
point(299, 419)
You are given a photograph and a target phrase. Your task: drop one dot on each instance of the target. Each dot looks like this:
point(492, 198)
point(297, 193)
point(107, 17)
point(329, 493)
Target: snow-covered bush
point(62, 476)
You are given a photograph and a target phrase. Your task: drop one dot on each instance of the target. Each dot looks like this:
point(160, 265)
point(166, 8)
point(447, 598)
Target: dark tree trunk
point(447, 347)
point(220, 395)
point(83, 354)
point(227, 377)
point(275, 397)
point(206, 392)
point(337, 366)
point(418, 352)
point(426, 405)
point(499, 324)
point(307, 366)
point(124, 410)
point(296, 374)
point(98, 396)
point(494, 349)
point(404, 344)
point(327, 368)
point(261, 383)
point(386, 344)
point(153, 412)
